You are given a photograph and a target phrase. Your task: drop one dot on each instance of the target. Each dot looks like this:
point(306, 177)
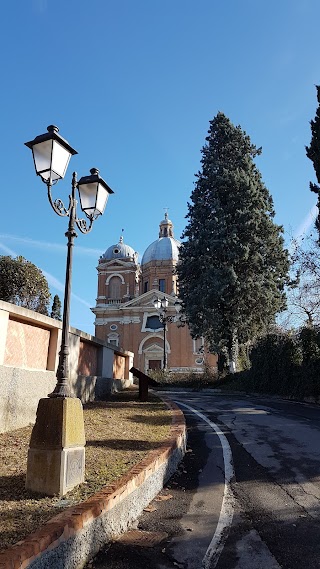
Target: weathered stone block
point(56, 457)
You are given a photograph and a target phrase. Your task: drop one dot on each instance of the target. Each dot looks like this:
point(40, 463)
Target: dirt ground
point(119, 433)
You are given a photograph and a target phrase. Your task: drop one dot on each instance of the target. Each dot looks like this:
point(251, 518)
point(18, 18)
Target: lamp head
point(51, 154)
point(94, 193)
point(157, 303)
point(164, 302)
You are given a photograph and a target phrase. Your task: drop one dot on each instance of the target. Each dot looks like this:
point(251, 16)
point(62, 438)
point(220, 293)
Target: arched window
point(198, 345)
point(113, 339)
point(115, 288)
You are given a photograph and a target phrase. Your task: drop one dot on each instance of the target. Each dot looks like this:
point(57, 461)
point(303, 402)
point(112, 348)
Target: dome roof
point(119, 251)
point(164, 248)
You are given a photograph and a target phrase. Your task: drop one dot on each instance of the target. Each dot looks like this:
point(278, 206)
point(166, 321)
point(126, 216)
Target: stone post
point(56, 456)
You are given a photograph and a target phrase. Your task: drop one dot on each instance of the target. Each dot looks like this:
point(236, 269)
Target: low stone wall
point(72, 538)
point(20, 392)
point(29, 352)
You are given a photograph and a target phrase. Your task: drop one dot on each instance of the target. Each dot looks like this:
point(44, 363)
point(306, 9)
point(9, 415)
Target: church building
point(125, 311)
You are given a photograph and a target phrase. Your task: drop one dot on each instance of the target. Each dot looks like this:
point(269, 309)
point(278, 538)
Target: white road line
point(216, 545)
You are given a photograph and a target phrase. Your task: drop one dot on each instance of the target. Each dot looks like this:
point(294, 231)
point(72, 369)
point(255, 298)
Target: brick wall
point(27, 345)
point(29, 352)
point(119, 366)
point(88, 359)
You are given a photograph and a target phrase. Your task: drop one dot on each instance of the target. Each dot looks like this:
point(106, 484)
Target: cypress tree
point(56, 308)
point(233, 266)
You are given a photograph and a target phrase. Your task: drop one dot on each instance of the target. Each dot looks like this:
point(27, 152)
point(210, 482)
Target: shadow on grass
point(21, 520)
point(12, 488)
point(155, 420)
point(124, 444)
point(147, 406)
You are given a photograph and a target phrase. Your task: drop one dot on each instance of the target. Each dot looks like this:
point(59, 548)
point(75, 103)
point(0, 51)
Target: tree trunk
point(233, 350)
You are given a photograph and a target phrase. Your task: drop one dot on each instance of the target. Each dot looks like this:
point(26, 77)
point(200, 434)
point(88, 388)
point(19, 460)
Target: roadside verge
point(72, 538)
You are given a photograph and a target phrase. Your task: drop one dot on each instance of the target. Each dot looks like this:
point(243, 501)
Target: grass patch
point(119, 433)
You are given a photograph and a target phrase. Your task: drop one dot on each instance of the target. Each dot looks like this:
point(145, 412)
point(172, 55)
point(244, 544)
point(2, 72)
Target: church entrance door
point(154, 364)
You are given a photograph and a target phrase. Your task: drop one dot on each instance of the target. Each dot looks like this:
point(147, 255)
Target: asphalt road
point(246, 496)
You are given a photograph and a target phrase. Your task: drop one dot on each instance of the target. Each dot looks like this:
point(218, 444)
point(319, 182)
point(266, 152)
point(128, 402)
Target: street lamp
point(51, 156)
point(161, 304)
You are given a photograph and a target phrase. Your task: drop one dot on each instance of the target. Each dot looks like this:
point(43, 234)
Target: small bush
point(190, 378)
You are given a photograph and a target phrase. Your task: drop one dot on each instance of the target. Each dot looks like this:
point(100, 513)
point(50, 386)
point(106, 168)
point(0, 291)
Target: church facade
point(125, 313)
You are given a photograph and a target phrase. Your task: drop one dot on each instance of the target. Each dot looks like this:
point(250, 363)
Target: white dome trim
point(115, 275)
point(140, 349)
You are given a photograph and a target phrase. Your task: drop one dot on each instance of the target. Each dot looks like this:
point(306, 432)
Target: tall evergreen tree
point(56, 308)
point(313, 152)
point(233, 266)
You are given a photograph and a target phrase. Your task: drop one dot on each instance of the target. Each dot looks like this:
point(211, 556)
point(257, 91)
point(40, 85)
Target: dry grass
point(119, 433)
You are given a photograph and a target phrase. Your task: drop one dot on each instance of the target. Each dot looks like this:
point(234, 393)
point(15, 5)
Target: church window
point(153, 323)
point(198, 345)
point(113, 327)
point(113, 339)
point(115, 287)
point(162, 285)
point(146, 286)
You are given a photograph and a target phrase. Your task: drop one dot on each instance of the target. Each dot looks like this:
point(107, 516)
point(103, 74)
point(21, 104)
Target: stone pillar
point(128, 366)
point(107, 356)
point(56, 456)
point(4, 320)
point(74, 347)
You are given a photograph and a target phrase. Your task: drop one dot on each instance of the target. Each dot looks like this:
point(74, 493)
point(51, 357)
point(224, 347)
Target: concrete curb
point(72, 538)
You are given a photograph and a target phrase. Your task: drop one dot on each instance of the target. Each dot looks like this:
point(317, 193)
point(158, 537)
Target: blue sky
point(132, 85)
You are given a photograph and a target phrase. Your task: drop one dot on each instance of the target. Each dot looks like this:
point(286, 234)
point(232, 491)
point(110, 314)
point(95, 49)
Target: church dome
point(119, 251)
point(165, 248)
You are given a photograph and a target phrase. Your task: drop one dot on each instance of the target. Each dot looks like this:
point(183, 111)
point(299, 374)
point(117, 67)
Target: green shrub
point(282, 363)
point(190, 378)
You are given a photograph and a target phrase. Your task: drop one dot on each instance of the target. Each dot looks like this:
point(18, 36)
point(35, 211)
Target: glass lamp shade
point(93, 193)
point(51, 154)
point(164, 302)
point(177, 306)
point(157, 303)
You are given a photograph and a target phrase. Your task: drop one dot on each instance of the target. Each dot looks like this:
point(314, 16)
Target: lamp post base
point(56, 456)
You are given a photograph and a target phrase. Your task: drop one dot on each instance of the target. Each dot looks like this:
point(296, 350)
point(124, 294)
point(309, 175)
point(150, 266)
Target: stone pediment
point(154, 348)
point(147, 299)
point(115, 264)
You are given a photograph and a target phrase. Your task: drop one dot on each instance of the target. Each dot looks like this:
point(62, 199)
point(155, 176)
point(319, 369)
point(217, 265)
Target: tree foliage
point(233, 266)
point(284, 363)
point(304, 297)
point(56, 308)
point(313, 153)
point(23, 284)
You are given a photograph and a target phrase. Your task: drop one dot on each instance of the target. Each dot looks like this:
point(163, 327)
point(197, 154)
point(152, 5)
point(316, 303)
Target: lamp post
point(56, 456)
point(51, 156)
point(161, 304)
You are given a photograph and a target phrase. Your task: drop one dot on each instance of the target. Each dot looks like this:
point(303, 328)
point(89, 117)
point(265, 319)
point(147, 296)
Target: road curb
point(72, 538)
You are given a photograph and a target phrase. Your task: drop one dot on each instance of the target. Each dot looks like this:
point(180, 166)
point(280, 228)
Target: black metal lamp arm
point(82, 224)
point(165, 319)
point(60, 209)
